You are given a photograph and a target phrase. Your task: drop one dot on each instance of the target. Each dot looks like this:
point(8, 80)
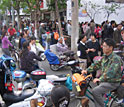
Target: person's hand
point(92, 50)
point(96, 80)
point(87, 50)
point(84, 72)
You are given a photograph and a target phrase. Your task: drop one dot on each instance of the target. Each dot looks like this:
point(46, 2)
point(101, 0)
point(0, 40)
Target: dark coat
point(27, 61)
point(94, 45)
point(82, 48)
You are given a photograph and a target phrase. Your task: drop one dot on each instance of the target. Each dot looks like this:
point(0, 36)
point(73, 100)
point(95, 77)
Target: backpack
point(56, 35)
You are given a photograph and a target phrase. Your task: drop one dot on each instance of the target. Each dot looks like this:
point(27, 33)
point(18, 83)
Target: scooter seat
point(58, 78)
point(10, 98)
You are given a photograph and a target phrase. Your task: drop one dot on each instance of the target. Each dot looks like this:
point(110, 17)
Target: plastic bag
point(68, 83)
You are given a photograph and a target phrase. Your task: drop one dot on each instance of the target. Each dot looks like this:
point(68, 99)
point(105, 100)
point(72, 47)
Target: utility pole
point(58, 17)
point(75, 26)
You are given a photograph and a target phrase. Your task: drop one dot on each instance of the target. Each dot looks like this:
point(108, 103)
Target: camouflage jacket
point(110, 66)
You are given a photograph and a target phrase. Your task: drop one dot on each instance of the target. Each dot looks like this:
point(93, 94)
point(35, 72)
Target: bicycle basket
point(81, 81)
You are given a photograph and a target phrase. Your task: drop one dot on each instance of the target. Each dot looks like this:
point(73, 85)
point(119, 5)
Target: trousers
point(100, 90)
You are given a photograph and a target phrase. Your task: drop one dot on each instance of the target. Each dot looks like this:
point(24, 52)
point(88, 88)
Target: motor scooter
point(13, 76)
point(56, 62)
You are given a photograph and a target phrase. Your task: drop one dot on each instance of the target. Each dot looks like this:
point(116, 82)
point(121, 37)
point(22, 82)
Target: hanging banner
point(116, 1)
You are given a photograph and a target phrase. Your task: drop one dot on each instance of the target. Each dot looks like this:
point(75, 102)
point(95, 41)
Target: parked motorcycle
point(56, 62)
point(13, 79)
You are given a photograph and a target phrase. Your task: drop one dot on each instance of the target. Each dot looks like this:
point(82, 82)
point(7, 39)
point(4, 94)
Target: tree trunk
point(75, 26)
point(36, 24)
point(18, 17)
point(58, 17)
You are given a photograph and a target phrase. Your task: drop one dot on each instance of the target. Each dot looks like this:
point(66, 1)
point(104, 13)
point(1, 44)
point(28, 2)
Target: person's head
point(93, 36)
point(26, 46)
point(21, 34)
point(113, 23)
point(60, 40)
point(10, 26)
point(119, 26)
point(82, 38)
point(32, 40)
point(60, 96)
point(108, 46)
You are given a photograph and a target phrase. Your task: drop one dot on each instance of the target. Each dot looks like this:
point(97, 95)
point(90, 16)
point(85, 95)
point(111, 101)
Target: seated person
point(61, 47)
point(60, 96)
point(27, 58)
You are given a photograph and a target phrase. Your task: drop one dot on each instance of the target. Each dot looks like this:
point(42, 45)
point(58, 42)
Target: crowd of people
point(92, 42)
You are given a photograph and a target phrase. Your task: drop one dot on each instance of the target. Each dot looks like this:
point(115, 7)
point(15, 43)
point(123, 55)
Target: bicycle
point(15, 56)
point(111, 98)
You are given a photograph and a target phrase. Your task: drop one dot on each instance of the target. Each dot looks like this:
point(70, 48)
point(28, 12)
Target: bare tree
point(110, 9)
point(92, 9)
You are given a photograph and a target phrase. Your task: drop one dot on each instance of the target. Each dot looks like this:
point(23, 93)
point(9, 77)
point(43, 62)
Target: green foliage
point(51, 4)
point(4, 5)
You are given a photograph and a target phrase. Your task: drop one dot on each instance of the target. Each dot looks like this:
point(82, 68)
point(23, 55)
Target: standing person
point(23, 38)
point(111, 29)
point(69, 28)
point(11, 32)
point(41, 32)
point(98, 32)
point(111, 75)
point(33, 44)
point(117, 34)
point(82, 51)
point(27, 58)
point(105, 26)
point(5, 44)
point(92, 26)
point(93, 46)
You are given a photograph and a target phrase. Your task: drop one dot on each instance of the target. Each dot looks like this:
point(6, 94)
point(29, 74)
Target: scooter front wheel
point(54, 67)
point(42, 55)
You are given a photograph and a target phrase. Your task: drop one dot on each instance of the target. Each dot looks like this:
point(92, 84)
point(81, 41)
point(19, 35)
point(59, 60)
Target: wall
point(101, 17)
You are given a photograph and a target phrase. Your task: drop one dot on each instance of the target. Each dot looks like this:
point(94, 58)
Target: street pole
point(75, 26)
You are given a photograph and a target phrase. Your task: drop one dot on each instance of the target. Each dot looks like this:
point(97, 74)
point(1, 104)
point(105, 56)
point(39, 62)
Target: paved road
point(66, 70)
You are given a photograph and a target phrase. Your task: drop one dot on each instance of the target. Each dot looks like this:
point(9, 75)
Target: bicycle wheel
point(114, 102)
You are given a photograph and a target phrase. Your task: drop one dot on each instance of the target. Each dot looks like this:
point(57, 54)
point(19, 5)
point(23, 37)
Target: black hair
point(112, 22)
point(80, 38)
point(93, 34)
point(21, 34)
point(32, 38)
point(25, 50)
point(60, 96)
point(110, 42)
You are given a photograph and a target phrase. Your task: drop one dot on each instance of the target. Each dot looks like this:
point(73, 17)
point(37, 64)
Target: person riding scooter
point(27, 58)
